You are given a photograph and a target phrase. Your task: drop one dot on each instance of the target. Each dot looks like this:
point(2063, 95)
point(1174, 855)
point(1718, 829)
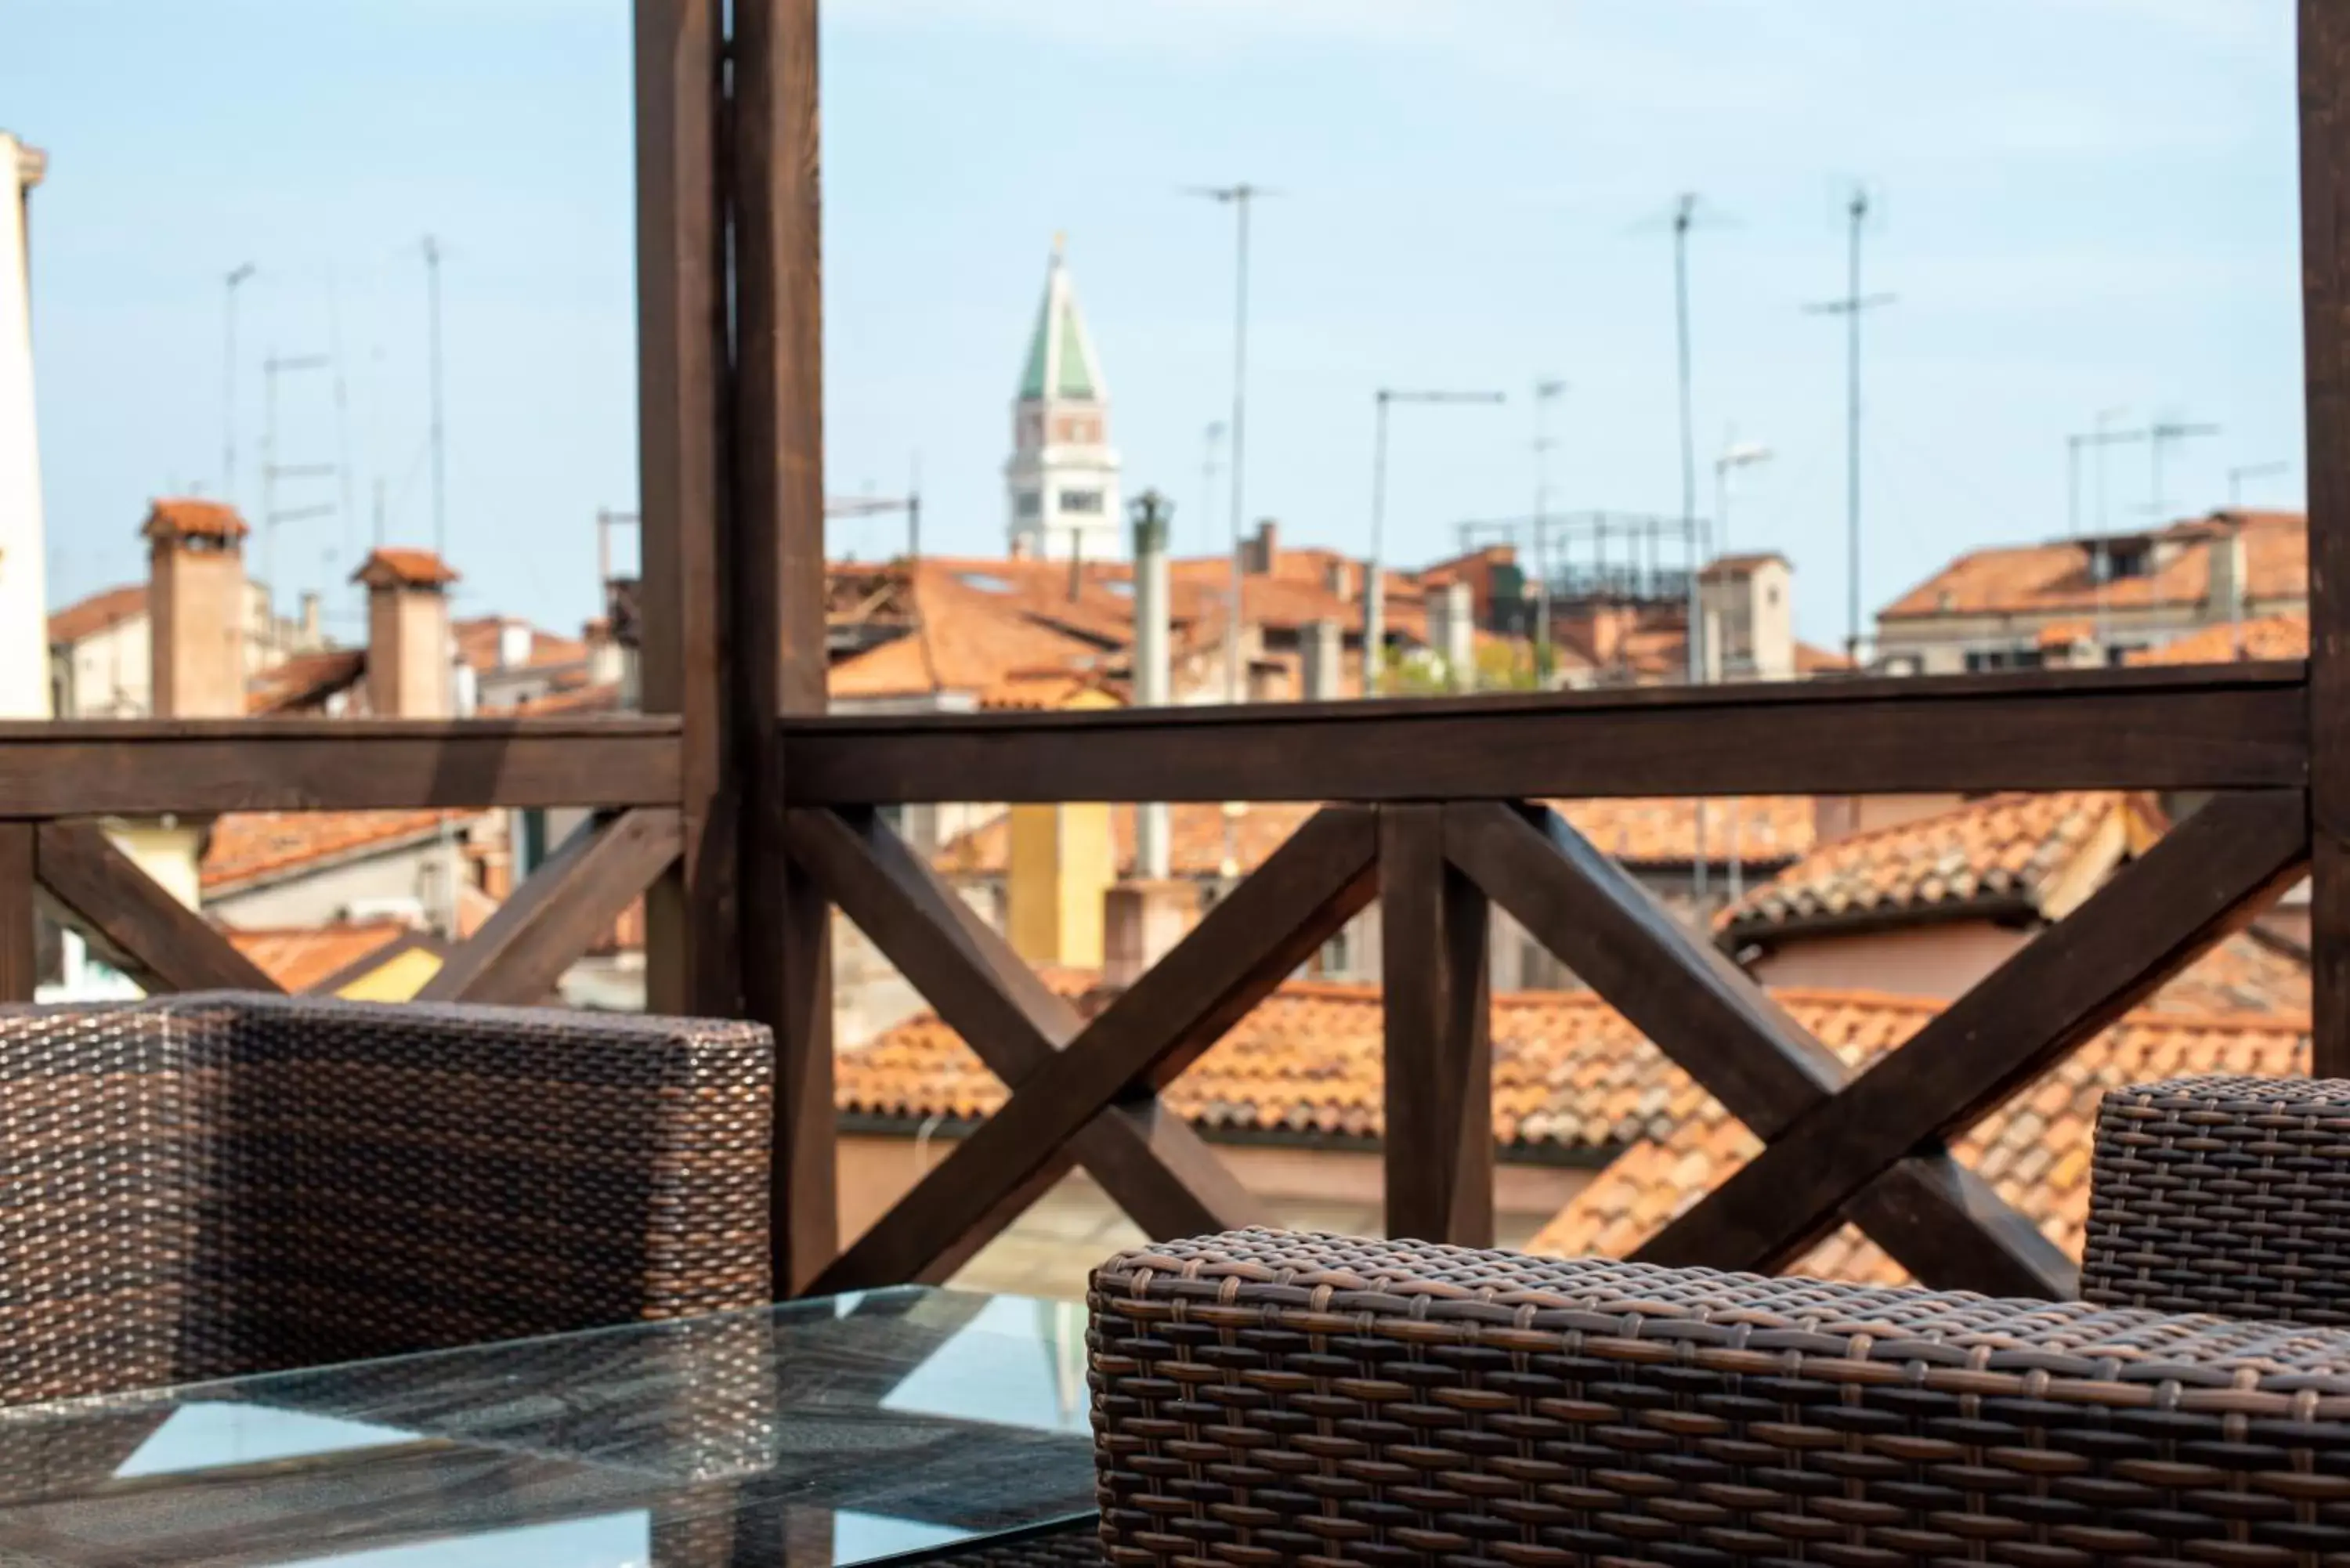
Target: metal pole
point(228, 391)
point(1241, 195)
point(1852, 455)
point(441, 549)
point(2072, 487)
point(1695, 638)
point(269, 491)
point(1375, 608)
point(440, 455)
point(1682, 217)
point(1544, 392)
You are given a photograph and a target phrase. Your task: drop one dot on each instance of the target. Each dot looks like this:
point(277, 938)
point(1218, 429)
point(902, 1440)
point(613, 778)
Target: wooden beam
point(2177, 728)
point(2326, 358)
point(776, 213)
point(1239, 954)
point(1151, 1164)
point(1435, 999)
point(1700, 1009)
point(1727, 1032)
point(692, 964)
point(564, 907)
point(138, 767)
point(168, 945)
point(1948, 1226)
point(20, 963)
point(2204, 879)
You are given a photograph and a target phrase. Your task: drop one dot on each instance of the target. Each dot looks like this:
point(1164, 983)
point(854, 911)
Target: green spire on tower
point(1060, 355)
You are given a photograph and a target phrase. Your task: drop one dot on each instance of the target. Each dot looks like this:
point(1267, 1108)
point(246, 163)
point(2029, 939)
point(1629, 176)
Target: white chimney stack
point(514, 643)
point(2224, 601)
point(1321, 649)
point(1452, 633)
point(1152, 674)
point(24, 591)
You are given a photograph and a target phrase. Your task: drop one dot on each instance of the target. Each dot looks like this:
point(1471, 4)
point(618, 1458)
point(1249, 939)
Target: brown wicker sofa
point(214, 1184)
point(1263, 1397)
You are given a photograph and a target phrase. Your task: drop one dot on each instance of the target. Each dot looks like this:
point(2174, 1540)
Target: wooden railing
point(1432, 823)
point(744, 812)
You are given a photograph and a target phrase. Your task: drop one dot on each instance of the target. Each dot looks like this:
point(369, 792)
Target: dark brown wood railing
point(744, 812)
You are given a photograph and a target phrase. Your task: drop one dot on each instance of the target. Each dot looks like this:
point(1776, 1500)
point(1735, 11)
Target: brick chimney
point(2228, 573)
point(1321, 649)
point(409, 658)
point(195, 609)
point(1261, 555)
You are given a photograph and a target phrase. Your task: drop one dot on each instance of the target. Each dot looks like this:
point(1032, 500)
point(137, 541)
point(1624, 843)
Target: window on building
point(1088, 501)
point(1986, 659)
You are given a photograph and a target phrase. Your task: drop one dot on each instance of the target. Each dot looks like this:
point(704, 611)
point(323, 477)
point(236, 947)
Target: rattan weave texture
point(211, 1185)
point(2224, 1195)
point(1264, 1397)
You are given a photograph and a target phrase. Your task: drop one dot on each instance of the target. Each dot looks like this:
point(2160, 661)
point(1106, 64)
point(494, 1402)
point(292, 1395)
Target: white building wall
point(23, 593)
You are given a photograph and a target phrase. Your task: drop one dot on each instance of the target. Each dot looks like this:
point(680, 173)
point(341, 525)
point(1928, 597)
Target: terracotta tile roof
point(299, 958)
point(393, 565)
point(101, 611)
point(1663, 832)
point(599, 699)
point(478, 637)
point(1772, 829)
point(2035, 1150)
point(305, 679)
point(1568, 1071)
point(968, 639)
point(185, 517)
point(1733, 565)
point(2268, 637)
point(1812, 660)
point(2249, 972)
point(2055, 579)
point(1572, 1077)
point(2027, 854)
point(246, 847)
point(1195, 838)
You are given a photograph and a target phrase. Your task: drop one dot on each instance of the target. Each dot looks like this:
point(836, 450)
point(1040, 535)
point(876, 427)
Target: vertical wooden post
point(776, 209)
point(691, 956)
point(19, 946)
point(1439, 1063)
point(2326, 334)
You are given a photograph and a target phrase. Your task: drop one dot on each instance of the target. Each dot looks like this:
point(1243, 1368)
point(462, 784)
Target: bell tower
point(1061, 484)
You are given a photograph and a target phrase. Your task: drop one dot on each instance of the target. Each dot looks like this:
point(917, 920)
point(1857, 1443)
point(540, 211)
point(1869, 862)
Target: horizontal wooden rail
point(150, 767)
point(2192, 727)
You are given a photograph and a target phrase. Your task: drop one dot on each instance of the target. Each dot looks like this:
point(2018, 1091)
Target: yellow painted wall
point(168, 855)
point(1063, 860)
point(1062, 863)
point(398, 978)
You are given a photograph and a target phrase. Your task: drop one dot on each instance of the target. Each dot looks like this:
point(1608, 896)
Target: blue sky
point(2085, 203)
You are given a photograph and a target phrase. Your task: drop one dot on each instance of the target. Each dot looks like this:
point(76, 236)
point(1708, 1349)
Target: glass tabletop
point(894, 1424)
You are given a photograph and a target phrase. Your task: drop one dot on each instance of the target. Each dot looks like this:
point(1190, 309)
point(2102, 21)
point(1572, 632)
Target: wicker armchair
point(210, 1185)
point(1262, 1397)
